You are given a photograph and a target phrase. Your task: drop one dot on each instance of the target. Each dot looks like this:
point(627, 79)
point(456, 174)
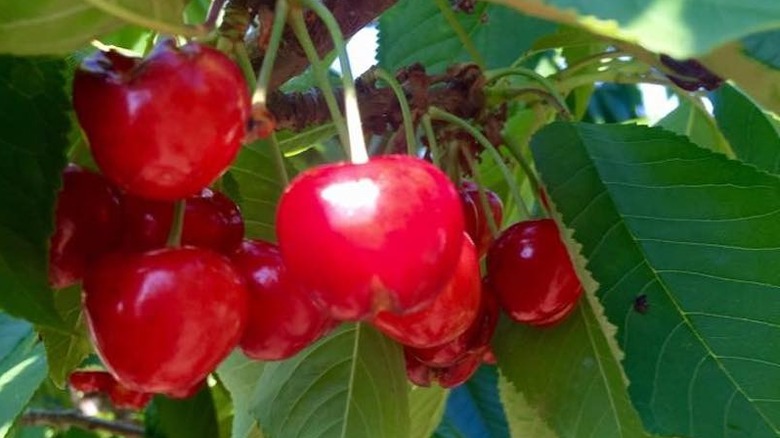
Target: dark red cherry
point(447, 377)
point(450, 314)
point(384, 235)
point(162, 320)
point(476, 220)
point(211, 220)
point(530, 271)
point(283, 318)
point(87, 224)
point(123, 397)
point(165, 126)
point(691, 74)
point(475, 341)
point(90, 382)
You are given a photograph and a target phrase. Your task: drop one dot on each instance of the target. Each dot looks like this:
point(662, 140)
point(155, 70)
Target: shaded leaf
point(22, 368)
point(754, 135)
point(695, 236)
point(193, 417)
point(241, 377)
point(694, 122)
point(33, 138)
point(765, 47)
point(65, 350)
point(350, 384)
point(522, 419)
point(415, 31)
point(474, 409)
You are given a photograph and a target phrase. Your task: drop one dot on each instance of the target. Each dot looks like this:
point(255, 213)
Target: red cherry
point(477, 225)
point(530, 270)
point(211, 220)
point(162, 320)
point(450, 314)
point(475, 341)
point(125, 398)
point(91, 381)
point(384, 235)
point(447, 377)
point(166, 126)
point(87, 224)
point(283, 319)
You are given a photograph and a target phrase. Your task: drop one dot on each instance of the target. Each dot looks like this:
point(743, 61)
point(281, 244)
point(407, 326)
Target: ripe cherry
point(165, 126)
point(450, 314)
point(162, 320)
point(123, 397)
point(477, 221)
point(90, 382)
point(384, 235)
point(447, 377)
point(475, 341)
point(530, 270)
point(283, 318)
point(211, 220)
point(87, 224)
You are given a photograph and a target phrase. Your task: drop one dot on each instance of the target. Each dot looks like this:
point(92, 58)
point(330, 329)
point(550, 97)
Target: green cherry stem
point(495, 75)
point(320, 74)
point(405, 110)
point(468, 44)
point(243, 61)
point(177, 224)
point(516, 150)
point(357, 143)
point(277, 30)
point(433, 145)
point(440, 114)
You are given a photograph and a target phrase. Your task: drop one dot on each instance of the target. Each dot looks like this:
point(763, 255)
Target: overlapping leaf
point(694, 122)
point(695, 237)
point(426, 408)
point(66, 349)
point(350, 384)
point(241, 376)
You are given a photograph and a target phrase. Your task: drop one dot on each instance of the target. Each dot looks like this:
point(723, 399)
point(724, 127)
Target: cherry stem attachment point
point(357, 143)
point(320, 71)
point(269, 58)
point(177, 223)
point(405, 110)
point(442, 115)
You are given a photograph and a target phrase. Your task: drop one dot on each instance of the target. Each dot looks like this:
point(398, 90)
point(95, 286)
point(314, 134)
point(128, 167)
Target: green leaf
point(22, 368)
point(259, 185)
point(474, 408)
point(754, 135)
point(350, 384)
point(193, 417)
point(426, 407)
point(765, 47)
point(241, 377)
point(679, 28)
point(694, 122)
point(567, 377)
point(415, 31)
point(160, 15)
point(65, 350)
point(50, 26)
point(695, 235)
point(522, 419)
point(33, 138)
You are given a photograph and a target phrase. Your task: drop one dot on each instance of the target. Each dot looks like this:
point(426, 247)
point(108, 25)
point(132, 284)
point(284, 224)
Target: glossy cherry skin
point(211, 220)
point(383, 235)
point(87, 224)
point(91, 381)
point(162, 320)
point(447, 377)
point(477, 221)
point(530, 271)
point(123, 397)
point(475, 341)
point(165, 126)
point(450, 314)
point(283, 318)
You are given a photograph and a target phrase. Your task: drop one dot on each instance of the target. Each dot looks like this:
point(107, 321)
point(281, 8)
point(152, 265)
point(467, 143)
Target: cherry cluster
point(101, 382)
point(391, 241)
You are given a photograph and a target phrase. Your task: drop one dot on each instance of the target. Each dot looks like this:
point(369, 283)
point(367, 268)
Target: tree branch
point(65, 419)
point(352, 16)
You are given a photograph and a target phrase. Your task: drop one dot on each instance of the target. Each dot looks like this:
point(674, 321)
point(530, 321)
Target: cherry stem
point(279, 159)
point(505, 94)
point(242, 58)
point(405, 110)
point(130, 16)
point(516, 150)
point(495, 75)
point(440, 114)
point(177, 224)
point(269, 58)
point(320, 74)
point(483, 199)
point(433, 145)
point(588, 60)
point(468, 44)
point(213, 14)
point(357, 143)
